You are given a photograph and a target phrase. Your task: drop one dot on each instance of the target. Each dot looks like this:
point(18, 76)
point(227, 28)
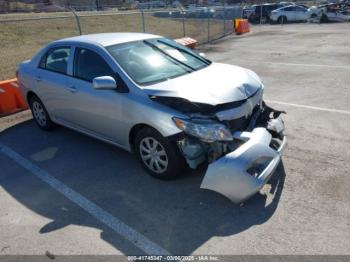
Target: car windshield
point(156, 60)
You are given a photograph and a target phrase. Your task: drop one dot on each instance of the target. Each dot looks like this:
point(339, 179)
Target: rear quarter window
point(56, 60)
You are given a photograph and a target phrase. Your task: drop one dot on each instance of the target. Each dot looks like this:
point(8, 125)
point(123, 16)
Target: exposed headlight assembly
point(206, 130)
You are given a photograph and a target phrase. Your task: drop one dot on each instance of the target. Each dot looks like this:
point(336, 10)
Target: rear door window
point(289, 9)
point(270, 8)
point(56, 60)
point(300, 9)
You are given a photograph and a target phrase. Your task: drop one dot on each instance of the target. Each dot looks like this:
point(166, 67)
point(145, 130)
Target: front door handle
point(38, 78)
point(72, 89)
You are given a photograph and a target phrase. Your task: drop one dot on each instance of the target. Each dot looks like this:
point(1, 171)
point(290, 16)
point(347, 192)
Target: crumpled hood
point(216, 84)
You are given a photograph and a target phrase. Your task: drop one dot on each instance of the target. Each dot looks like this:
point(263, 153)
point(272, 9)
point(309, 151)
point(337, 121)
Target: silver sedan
point(161, 100)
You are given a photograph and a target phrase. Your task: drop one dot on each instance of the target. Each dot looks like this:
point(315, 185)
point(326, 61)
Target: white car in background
point(330, 13)
point(291, 13)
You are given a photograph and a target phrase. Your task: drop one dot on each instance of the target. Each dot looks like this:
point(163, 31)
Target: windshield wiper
point(166, 54)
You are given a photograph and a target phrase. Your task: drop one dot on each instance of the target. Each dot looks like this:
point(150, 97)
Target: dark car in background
point(261, 12)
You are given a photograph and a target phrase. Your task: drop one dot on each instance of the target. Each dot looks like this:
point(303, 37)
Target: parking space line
point(308, 65)
point(103, 216)
point(294, 64)
point(310, 107)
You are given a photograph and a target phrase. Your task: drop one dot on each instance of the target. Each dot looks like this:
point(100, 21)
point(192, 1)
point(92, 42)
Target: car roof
point(107, 39)
point(268, 5)
point(283, 7)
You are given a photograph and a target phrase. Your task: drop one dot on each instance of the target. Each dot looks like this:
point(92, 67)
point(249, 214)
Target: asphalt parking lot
point(66, 193)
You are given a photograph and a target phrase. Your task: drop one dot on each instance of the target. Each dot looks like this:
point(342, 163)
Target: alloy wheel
point(153, 155)
point(39, 113)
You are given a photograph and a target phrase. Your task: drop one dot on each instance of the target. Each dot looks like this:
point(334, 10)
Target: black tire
point(40, 114)
point(324, 19)
point(282, 20)
point(175, 161)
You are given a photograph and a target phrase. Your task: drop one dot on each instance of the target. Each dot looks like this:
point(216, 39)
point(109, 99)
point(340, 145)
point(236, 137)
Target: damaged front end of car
point(242, 141)
point(241, 173)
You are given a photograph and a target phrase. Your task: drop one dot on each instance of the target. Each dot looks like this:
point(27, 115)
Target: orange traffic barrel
point(11, 99)
point(241, 26)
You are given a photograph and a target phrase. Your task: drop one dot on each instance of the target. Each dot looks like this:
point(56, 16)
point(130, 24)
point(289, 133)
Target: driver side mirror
point(104, 82)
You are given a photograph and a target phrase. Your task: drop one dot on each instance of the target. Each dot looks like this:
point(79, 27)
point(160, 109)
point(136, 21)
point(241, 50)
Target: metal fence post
point(183, 23)
point(77, 20)
point(224, 18)
point(143, 21)
point(241, 17)
point(208, 28)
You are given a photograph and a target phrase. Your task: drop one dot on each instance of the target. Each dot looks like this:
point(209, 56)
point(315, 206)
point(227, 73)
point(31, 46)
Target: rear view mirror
point(104, 82)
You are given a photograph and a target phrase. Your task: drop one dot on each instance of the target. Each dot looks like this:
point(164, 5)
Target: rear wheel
point(282, 20)
point(159, 156)
point(40, 114)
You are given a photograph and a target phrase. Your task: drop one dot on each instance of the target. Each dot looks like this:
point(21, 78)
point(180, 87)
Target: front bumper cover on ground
point(230, 175)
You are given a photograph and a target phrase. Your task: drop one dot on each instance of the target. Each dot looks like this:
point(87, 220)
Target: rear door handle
point(72, 89)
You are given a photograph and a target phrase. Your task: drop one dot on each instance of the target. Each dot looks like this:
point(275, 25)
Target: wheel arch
point(133, 132)
point(29, 96)
point(282, 18)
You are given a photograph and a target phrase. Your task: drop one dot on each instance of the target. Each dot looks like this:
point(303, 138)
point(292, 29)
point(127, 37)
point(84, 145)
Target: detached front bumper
point(243, 172)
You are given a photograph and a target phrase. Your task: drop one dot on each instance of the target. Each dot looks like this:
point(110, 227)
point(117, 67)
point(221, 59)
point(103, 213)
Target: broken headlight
point(206, 130)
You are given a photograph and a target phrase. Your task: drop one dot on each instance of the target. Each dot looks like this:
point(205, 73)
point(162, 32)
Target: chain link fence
point(22, 34)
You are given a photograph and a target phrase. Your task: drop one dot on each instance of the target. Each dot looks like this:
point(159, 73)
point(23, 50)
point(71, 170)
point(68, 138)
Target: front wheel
point(159, 156)
point(324, 19)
